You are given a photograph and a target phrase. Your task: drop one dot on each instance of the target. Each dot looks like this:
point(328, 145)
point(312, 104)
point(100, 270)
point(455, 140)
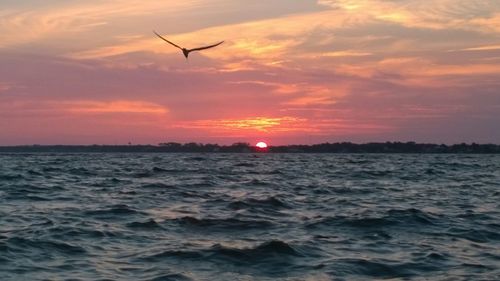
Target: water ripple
point(249, 217)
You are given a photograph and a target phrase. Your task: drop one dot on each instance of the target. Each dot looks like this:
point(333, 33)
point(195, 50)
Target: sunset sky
point(290, 71)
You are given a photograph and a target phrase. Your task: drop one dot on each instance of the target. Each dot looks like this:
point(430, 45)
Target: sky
point(289, 72)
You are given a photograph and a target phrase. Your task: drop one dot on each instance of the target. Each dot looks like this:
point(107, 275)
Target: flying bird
point(187, 51)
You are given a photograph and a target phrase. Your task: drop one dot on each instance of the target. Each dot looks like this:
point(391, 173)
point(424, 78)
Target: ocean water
point(249, 217)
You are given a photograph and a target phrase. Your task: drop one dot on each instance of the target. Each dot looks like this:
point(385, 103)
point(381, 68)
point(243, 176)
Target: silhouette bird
point(187, 51)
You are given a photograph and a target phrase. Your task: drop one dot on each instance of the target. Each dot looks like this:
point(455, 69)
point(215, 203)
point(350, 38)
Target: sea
point(249, 216)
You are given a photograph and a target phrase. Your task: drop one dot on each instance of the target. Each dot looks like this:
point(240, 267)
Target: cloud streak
point(120, 106)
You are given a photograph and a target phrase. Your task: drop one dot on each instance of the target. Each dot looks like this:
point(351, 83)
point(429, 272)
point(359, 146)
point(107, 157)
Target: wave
point(16, 244)
point(173, 254)
point(226, 225)
point(474, 235)
point(11, 177)
point(27, 197)
point(244, 164)
point(370, 174)
point(266, 203)
point(160, 170)
point(275, 249)
point(73, 232)
point(143, 174)
point(115, 210)
point(234, 217)
point(272, 251)
point(393, 217)
point(51, 169)
point(195, 158)
point(30, 192)
point(81, 172)
point(34, 173)
point(158, 185)
point(171, 277)
point(150, 224)
point(384, 269)
point(174, 171)
point(256, 182)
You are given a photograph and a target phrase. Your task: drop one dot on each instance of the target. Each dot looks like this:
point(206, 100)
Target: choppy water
point(249, 217)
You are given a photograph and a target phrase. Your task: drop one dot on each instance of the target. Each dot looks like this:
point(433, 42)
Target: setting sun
point(261, 145)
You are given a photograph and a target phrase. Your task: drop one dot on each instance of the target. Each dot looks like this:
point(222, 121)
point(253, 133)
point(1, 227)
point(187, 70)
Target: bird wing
point(206, 47)
point(166, 40)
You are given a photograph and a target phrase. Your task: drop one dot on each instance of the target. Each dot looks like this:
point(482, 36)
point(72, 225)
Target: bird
point(187, 51)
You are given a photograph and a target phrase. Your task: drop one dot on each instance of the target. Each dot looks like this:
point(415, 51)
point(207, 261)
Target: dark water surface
point(249, 217)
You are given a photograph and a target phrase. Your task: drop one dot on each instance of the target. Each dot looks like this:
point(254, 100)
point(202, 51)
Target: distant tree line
point(241, 147)
point(389, 147)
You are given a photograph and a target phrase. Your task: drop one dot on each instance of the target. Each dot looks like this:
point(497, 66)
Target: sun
point(261, 144)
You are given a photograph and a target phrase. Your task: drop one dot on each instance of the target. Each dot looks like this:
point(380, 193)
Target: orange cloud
point(467, 70)
point(319, 95)
point(491, 24)
point(483, 48)
point(467, 15)
point(262, 124)
point(26, 26)
point(282, 125)
point(256, 43)
point(122, 106)
point(346, 54)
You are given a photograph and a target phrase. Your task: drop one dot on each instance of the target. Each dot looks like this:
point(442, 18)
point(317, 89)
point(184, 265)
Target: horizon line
point(269, 145)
